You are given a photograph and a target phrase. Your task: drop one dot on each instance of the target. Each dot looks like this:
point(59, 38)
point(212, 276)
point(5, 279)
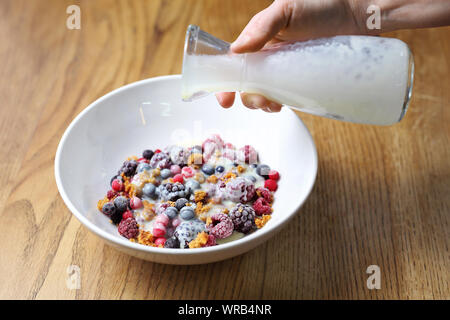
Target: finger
point(261, 28)
point(225, 99)
point(254, 101)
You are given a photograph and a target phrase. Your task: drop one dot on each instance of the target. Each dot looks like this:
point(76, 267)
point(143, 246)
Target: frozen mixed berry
point(208, 169)
point(171, 212)
point(160, 241)
point(129, 168)
point(239, 190)
point(247, 154)
point(159, 230)
point(178, 178)
point(211, 241)
point(118, 176)
point(263, 170)
point(221, 226)
point(271, 185)
point(117, 185)
point(175, 169)
point(187, 213)
point(135, 203)
point(111, 194)
point(274, 175)
point(163, 219)
point(172, 191)
point(121, 203)
point(265, 193)
point(243, 217)
point(262, 206)
point(188, 230)
point(192, 185)
point(187, 172)
point(147, 154)
point(149, 190)
point(160, 160)
point(220, 169)
point(109, 209)
point(127, 214)
point(172, 243)
point(178, 155)
point(116, 216)
point(165, 173)
point(128, 228)
point(143, 166)
point(180, 203)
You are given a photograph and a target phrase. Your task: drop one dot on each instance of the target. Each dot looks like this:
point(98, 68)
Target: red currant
point(178, 178)
point(274, 175)
point(117, 185)
point(271, 184)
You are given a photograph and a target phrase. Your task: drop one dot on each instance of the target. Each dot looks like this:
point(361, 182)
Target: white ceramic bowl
point(150, 114)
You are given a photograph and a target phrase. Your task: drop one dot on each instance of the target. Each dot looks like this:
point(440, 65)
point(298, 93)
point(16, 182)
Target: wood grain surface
point(382, 195)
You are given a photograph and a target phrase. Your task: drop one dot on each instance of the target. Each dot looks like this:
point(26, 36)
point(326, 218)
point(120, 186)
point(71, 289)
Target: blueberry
point(187, 213)
point(147, 154)
point(220, 169)
point(172, 243)
point(165, 173)
point(121, 203)
point(180, 203)
point(109, 208)
point(208, 169)
point(192, 185)
point(254, 165)
point(149, 189)
point(171, 212)
point(143, 166)
point(263, 170)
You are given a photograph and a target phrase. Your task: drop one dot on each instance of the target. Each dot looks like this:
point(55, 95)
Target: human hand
point(289, 20)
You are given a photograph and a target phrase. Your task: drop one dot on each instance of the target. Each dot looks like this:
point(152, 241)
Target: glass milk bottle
point(361, 79)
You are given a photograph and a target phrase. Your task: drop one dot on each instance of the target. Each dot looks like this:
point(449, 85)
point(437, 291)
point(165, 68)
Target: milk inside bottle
point(360, 79)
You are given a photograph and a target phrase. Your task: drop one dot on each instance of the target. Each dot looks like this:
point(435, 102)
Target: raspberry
point(160, 241)
point(211, 241)
point(117, 185)
point(111, 194)
point(128, 228)
point(160, 160)
point(265, 193)
point(274, 175)
point(262, 206)
point(178, 178)
point(221, 226)
point(173, 191)
point(127, 214)
point(243, 217)
point(271, 185)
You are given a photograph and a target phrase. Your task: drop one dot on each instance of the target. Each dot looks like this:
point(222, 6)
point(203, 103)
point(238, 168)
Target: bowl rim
point(156, 250)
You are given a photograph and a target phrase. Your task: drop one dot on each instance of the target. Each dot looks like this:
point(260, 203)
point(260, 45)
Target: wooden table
point(382, 195)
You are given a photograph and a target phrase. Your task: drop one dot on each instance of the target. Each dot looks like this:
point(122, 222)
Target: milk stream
point(352, 78)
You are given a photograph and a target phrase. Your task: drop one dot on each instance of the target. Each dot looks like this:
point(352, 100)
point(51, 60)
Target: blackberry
point(160, 160)
point(172, 191)
point(172, 243)
point(147, 154)
point(129, 168)
point(243, 217)
point(121, 203)
point(116, 217)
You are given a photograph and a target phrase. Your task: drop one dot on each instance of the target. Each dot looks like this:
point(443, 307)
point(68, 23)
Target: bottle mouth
point(409, 85)
point(198, 42)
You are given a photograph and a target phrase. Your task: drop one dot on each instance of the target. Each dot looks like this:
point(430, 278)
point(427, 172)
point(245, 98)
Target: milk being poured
point(353, 78)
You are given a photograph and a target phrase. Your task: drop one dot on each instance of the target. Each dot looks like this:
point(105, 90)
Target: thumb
point(261, 28)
